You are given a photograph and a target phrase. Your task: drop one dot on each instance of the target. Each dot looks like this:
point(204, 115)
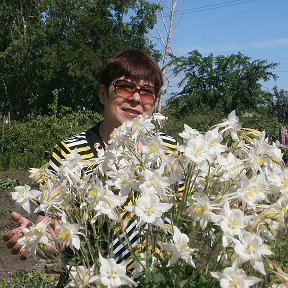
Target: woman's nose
point(136, 97)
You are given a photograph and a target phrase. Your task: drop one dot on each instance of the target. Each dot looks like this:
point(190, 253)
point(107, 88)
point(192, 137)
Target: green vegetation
point(27, 279)
point(28, 144)
point(8, 183)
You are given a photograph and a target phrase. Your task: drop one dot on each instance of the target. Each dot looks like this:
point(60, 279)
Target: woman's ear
point(103, 93)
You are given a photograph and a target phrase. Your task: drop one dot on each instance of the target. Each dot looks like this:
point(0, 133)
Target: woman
point(129, 85)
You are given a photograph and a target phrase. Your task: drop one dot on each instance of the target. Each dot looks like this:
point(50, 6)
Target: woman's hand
point(12, 236)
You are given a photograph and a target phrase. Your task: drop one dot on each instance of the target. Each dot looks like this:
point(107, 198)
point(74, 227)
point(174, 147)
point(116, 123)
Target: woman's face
point(118, 110)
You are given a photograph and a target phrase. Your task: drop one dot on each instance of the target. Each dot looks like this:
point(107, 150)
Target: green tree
point(223, 82)
point(280, 105)
point(62, 45)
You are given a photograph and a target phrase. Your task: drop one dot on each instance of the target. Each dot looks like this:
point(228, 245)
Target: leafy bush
point(28, 144)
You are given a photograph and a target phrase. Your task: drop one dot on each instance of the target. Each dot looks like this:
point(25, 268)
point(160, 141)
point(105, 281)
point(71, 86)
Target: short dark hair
point(134, 64)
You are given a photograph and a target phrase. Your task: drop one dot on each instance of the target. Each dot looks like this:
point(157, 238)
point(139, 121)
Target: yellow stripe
point(169, 145)
point(81, 149)
point(67, 147)
point(87, 156)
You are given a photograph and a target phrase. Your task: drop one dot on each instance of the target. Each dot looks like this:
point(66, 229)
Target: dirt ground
point(9, 262)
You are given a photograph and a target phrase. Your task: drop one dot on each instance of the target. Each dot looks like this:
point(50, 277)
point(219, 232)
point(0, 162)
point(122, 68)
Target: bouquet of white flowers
point(141, 214)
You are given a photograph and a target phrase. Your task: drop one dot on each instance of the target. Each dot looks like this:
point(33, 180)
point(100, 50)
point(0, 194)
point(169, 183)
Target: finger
point(9, 234)
point(22, 254)
point(23, 257)
point(13, 240)
point(16, 249)
point(19, 219)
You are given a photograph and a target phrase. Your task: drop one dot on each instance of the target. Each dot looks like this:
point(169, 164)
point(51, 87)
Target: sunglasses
point(126, 90)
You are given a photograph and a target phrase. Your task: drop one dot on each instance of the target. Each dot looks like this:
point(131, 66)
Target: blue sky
point(256, 28)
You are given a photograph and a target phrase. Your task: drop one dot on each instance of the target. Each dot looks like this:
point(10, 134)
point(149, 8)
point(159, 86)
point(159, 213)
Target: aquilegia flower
point(113, 275)
point(250, 248)
point(81, 276)
point(233, 277)
point(67, 234)
point(23, 195)
point(179, 248)
point(150, 210)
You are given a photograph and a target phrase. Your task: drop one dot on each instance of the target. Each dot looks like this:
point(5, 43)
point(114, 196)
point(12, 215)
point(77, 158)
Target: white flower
point(196, 150)
point(233, 277)
point(113, 274)
point(71, 166)
point(200, 210)
point(67, 234)
point(34, 173)
point(121, 179)
point(281, 181)
point(33, 236)
point(102, 200)
point(149, 209)
point(230, 125)
point(230, 166)
point(214, 140)
point(81, 276)
point(52, 195)
point(23, 195)
point(232, 222)
point(253, 190)
point(152, 148)
point(250, 248)
point(188, 132)
point(153, 180)
point(141, 125)
point(179, 248)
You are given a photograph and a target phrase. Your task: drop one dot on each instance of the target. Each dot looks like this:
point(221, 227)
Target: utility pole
point(166, 43)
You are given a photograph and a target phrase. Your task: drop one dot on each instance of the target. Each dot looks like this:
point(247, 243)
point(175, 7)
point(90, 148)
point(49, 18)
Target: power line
point(213, 6)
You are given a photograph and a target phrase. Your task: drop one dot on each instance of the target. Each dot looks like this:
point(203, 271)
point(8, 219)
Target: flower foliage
point(209, 211)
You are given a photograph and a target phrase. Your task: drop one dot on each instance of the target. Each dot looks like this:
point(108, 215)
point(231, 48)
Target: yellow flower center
point(183, 247)
point(253, 191)
point(151, 148)
point(284, 210)
point(124, 180)
point(149, 210)
point(21, 195)
point(63, 234)
point(284, 182)
point(37, 232)
point(234, 283)
point(112, 274)
point(199, 209)
point(232, 223)
point(211, 143)
point(92, 193)
point(198, 152)
point(249, 248)
point(152, 182)
point(105, 204)
point(260, 161)
point(113, 134)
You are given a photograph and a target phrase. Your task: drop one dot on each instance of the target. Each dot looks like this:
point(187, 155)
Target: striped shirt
point(88, 144)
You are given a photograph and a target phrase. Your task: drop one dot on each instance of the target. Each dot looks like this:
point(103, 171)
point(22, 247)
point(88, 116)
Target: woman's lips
point(132, 112)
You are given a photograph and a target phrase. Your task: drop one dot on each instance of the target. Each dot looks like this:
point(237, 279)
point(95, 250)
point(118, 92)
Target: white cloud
point(235, 47)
